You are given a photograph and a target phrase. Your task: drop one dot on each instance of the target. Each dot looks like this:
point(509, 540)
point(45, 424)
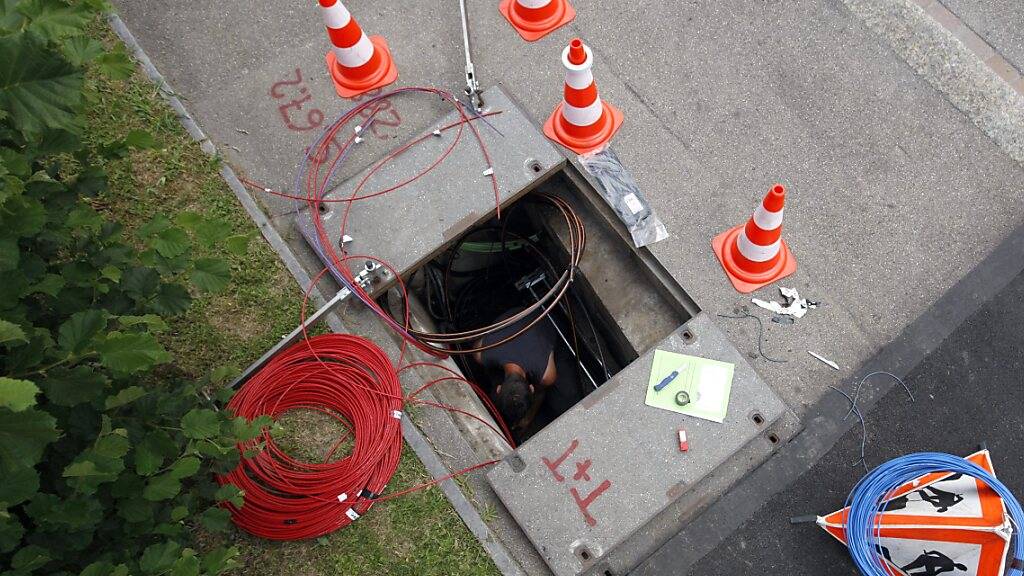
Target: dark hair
point(513, 400)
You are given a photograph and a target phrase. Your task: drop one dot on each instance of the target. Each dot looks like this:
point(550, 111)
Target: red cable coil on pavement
point(347, 378)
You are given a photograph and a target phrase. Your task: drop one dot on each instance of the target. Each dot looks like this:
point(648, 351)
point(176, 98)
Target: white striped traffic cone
point(755, 255)
point(582, 122)
point(534, 19)
point(357, 63)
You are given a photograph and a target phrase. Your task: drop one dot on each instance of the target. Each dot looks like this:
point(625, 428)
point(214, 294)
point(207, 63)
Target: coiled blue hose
point(865, 501)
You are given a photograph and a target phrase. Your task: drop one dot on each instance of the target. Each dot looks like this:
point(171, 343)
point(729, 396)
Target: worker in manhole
point(539, 375)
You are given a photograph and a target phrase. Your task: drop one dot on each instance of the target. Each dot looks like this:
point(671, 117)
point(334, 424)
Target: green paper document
point(708, 382)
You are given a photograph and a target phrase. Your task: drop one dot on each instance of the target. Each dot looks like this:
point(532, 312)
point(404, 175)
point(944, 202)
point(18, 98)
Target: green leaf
point(30, 558)
point(220, 560)
point(38, 88)
point(200, 423)
point(223, 373)
point(112, 273)
point(10, 332)
point(23, 436)
point(114, 445)
point(82, 469)
point(211, 274)
point(17, 395)
point(115, 65)
point(76, 335)
point(188, 219)
point(10, 254)
point(81, 49)
point(53, 19)
point(187, 565)
point(11, 532)
point(150, 454)
point(141, 282)
point(18, 486)
point(159, 558)
point(50, 284)
point(170, 243)
point(238, 245)
point(179, 513)
point(153, 323)
point(171, 300)
point(156, 225)
point(72, 386)
point(212, 231)
point(126, 396)
point(216, 519)
point(130, 353)
point(185, 467)
point(230, 493)
point(140, 139)
point(162, 487)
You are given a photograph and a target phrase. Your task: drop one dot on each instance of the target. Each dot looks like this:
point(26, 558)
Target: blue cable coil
point(866, 503)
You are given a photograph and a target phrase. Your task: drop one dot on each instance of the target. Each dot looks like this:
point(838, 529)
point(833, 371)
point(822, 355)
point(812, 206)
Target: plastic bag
point(620, 190)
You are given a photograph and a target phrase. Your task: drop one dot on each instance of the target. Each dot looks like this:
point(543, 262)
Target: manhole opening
point(612, 312)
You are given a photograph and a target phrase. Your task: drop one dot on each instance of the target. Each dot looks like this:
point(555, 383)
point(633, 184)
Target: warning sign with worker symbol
point(940, 524)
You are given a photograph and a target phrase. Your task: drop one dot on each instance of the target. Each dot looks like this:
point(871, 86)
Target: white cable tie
point(342, 497)
point(396, 414)
point(489, 172)
point(352, 514)
point(437, 132)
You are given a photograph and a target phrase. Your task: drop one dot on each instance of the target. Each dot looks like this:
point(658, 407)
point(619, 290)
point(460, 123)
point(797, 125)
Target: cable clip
point(437, 133)
point(489, 172)
point(396, 414)
point(352, 514)
point(364, 493)
point(342, 497)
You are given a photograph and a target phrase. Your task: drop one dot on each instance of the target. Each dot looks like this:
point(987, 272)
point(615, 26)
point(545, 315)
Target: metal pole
point(529, 286)
point(472, 86)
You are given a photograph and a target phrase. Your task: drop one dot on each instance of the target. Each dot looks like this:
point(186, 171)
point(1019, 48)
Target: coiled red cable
point(351, 380)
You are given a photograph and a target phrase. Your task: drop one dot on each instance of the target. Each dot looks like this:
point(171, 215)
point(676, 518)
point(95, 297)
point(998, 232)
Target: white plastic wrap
point(620, 190)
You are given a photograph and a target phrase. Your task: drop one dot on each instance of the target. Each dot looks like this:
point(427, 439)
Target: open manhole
point(599, 482)
point(612, 312)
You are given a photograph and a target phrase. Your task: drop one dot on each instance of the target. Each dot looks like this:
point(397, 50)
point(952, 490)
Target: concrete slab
point(999, 22)
point(414, 223)
point(576, 487)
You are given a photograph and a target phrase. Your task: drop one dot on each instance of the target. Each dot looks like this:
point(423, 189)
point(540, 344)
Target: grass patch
point(418, 534)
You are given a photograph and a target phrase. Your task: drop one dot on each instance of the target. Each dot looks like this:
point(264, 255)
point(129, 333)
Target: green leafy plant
point(106, 457)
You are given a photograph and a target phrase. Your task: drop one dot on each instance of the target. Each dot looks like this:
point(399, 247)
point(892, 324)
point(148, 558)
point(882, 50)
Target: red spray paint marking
point(581, 476)
point(299, 114)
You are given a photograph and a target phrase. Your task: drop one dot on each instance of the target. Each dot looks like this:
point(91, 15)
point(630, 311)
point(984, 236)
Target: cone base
point(611, 120)
point(533, 31)
point(348, 87)
point(746, 282)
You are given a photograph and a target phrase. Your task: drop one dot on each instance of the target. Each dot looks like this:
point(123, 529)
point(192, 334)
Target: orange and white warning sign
point(940, 523)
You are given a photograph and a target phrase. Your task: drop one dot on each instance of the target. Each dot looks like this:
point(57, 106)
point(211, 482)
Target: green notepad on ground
point(708, 383)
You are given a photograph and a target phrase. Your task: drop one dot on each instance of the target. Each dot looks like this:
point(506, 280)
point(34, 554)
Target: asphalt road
point(968, 391)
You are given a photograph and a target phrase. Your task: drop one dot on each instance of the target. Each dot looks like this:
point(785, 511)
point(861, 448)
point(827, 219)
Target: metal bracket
point(370, 273)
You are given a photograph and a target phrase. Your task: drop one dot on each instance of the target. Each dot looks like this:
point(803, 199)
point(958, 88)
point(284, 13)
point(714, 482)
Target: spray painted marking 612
point(299, 114)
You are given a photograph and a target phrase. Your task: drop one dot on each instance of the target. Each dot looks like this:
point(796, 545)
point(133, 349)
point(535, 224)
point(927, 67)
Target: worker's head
point(513, 397)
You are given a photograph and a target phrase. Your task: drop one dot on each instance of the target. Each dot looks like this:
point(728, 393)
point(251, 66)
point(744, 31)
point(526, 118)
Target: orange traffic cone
point(755, 255)
point(582, 122)
point(534, 19)
point(357, 63)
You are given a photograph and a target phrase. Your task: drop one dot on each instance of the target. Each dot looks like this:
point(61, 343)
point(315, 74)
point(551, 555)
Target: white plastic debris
point(821, 358)
point(794, 306)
